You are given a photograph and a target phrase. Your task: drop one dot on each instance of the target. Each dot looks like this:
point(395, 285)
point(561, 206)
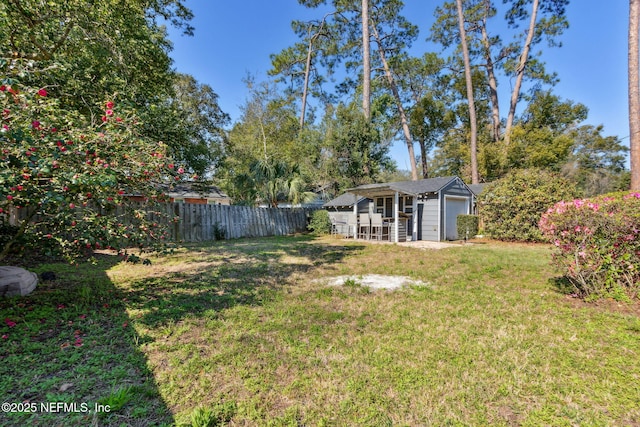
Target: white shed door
point(453, 207)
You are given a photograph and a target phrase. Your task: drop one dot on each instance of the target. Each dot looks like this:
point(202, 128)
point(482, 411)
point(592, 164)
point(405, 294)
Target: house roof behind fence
point(189, 191)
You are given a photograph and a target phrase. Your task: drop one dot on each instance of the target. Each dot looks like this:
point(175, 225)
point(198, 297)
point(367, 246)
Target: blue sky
point(233, 38)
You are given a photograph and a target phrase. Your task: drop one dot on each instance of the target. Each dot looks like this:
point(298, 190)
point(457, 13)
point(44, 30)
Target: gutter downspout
point(355, 211)
point(396, 217)
point(440, 215)
point(414, 234)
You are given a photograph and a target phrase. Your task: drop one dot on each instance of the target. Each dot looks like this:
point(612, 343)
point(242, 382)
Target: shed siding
point(456, 188)
point(430, 219)
point(402, 231)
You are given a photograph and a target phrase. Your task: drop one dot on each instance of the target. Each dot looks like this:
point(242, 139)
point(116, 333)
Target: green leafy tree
point(353, 149)
point(262, 148)
point(473, 122)
point(72, 178)
point(429, 112)
point(296, 65)
point(84, 53)
point(543, 138)
point(634, 92)
point(430, 120)
point(596, 162)
point(191, 123)
point(358, 26)
point(546, 20)
point(277, 181)
point(91, 51)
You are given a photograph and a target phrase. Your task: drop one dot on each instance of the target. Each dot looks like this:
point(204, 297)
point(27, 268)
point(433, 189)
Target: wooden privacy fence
point(198, 223)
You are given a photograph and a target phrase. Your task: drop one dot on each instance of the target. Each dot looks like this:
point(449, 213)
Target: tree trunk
point(403, 115)
point(475, 178)
point(307, 70)
point(305, 89)
point(423, 154)
point(21, 231)
point(524, 57)
point(366, 61)
point(493, 82)
point(634, 93)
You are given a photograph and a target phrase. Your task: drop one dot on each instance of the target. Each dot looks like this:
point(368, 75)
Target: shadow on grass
point(69, 347)
point(563, 285)
point(229, 273)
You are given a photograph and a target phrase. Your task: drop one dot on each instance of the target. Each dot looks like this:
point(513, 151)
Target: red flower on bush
point(42, 92)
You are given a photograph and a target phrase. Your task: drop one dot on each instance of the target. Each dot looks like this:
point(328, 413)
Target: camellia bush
point(67, 181)
point(511, 207)
point(597, 244)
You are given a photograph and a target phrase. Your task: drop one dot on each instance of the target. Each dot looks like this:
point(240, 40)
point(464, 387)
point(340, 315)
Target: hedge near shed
point(511, 207)
point(467, 226)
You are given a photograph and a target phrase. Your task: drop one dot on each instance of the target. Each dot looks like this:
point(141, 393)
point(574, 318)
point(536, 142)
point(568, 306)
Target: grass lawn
point(239, 332)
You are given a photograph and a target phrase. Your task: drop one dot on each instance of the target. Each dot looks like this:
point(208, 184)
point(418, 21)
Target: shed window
point(408, 205)
point(388, 207)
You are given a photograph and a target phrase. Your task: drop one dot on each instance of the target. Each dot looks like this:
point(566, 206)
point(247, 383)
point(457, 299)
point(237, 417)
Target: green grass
point(240, 333)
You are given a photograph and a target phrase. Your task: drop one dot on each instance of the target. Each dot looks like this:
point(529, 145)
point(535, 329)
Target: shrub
point(511, 206)
point(219, 232)
point(467, 226)
point(597, 244)
point(69, 179)
point(320, 223)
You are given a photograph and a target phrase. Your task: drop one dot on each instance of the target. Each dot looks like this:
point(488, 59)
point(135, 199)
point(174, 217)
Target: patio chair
point(379, 228)
point(364, 227)
point(337, 224)
point(352, 225)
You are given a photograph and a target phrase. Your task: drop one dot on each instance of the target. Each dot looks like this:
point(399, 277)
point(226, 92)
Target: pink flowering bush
point(67, 181)
point(597, 244)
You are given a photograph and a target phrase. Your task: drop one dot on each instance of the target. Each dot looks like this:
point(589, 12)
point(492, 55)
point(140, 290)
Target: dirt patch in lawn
point(373, 281)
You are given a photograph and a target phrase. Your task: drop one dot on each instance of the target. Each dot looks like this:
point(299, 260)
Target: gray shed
point(425, 209)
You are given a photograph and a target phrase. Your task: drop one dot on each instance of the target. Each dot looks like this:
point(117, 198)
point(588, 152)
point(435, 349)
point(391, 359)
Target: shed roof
point(345, 199)
point(476, 189)
point(421, 186)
